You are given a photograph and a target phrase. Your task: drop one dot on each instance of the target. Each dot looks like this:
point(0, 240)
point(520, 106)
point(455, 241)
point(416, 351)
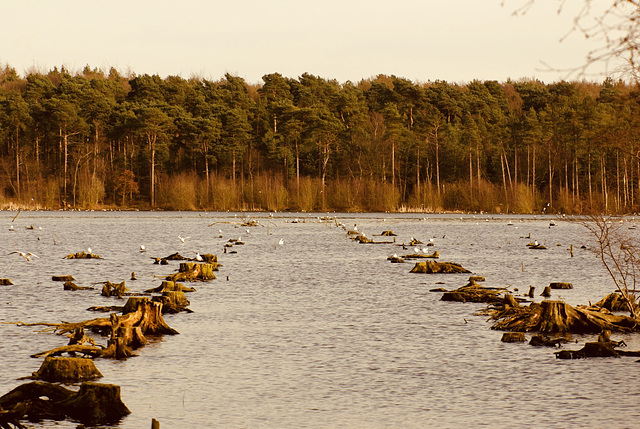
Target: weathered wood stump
point(540, 340)
point(114, 289)
point(513, 337)
point(173, 301)
point(67, 370)
point(94, 404)
point(69, 285)
point(82, 255)
point(191, 271)
point(474, 293)
point(560, 317)
point(127, 332)
point(66, 278)
point(209, 258)
point(5, 282)
point(615, 302)
point(546, 292)
point(433, 267)
point(560, 285)
point(167, 286)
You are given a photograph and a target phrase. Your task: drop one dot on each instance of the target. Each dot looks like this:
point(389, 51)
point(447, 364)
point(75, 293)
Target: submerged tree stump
point(474, 293)
point(127, 332)
point(560, 285)
point(513, 337)
point(433, 267)
point(615, 302)
point(5, 282)
point(66, 278)
point(191, 271)
point(168, 286)
point(560, 317)
point(114, 289)
point(173, 301)
point(67, 370)
point(94, 404)
point(69, 285)
point(540, 340)
point(82, 255)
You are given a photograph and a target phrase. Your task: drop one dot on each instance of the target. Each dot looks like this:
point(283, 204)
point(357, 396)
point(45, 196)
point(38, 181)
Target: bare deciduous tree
point(616, 26)
point(619, 254)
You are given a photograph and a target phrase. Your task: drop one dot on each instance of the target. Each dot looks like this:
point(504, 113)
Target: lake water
point(320, 332)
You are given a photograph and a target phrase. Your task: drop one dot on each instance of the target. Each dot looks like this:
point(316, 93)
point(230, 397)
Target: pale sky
point(421, 40)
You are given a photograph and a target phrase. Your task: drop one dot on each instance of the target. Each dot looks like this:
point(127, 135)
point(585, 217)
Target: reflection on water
point(320, 331)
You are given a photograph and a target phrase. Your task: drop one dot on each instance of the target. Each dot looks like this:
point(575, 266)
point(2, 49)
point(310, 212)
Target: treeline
point(94, 139)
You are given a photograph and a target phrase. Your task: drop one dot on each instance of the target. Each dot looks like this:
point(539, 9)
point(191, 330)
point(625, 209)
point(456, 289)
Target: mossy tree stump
point(67, 370)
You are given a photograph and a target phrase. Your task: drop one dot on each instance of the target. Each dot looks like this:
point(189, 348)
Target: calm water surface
point(320, 332)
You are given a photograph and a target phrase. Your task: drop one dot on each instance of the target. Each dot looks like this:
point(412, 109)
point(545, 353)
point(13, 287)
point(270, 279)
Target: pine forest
point(101, 140)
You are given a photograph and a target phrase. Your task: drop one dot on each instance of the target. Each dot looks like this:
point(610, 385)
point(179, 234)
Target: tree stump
point(67, 370)
point(560, 285)
point(113, 289)
point(82, 255)
point(615, 302)
point(433, 267)
point(5, 282)
point(172, 301)
point(191, 271)
point(69, 285)
point(546, 292)
point(513, 337)
point(96, 404)
point(63, 278)
point(168, 285)
point(560, 317)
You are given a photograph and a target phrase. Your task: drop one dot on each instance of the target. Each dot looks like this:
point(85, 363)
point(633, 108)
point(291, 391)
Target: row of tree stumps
point(126, 330)
point(550, 322)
